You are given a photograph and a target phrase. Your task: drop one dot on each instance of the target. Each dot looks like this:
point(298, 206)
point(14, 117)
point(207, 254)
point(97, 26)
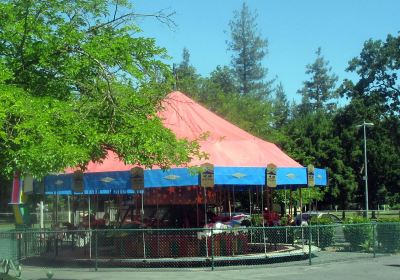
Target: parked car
point(238, 217)
point(304, 218)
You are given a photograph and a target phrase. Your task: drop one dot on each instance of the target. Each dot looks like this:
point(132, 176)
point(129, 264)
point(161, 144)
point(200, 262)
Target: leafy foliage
point(358, 232)
point(323, 232)
point(77, 81)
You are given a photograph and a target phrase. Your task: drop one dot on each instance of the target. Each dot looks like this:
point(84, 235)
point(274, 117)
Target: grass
point(378, 214)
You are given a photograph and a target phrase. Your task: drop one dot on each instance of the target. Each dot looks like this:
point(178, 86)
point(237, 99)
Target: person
point(271, 218)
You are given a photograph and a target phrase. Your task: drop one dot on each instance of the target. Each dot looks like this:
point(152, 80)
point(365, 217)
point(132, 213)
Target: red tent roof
point(227, 144)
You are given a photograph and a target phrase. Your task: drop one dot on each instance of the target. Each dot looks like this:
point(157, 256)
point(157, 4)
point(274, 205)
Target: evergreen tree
point(318, 92)
point(224, 78)
point(187, 80)
point(281, 107)
point(248, 49)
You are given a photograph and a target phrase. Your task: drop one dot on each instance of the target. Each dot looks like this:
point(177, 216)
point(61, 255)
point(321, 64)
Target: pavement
point(382, 268)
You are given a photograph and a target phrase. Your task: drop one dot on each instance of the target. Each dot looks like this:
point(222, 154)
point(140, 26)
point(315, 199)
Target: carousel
point(196, 207)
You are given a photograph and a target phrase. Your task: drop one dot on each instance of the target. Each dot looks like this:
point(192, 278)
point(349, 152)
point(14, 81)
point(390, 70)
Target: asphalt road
point(380, 268)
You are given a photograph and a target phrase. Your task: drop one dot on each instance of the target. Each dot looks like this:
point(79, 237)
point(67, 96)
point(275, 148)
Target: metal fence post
point(309, 244)
point(212, 250)
point(24, 237)
point(374, 238)
point(19, 236)
point(96, 250)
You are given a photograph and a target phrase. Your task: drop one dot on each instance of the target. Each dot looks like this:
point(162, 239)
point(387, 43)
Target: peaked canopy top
point(226, 144)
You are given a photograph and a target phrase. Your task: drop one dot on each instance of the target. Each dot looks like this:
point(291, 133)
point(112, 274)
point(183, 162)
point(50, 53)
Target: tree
point(281, 107)
point(187, 80)
point(375, 97)
point(248, 49)
point(320, 89)
point(378, 66)
point(78, 80)
point(224, 78)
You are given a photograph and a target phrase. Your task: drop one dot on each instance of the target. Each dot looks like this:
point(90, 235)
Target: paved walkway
point(382, 268)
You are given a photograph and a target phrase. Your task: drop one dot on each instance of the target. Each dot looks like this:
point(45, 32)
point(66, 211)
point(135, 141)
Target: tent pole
point(291, 202)
point(158, 220)
point(142, 218)
point(301, 218)
point(158, 227)
point(257, 200)
point(233, 199)
point(286, 216)
point(301, 205)
point(251, 231)
point(69, 208)
point(56, 206)
point(285, 201)
point(197, 207)
point(229, 204)
point(90, 231)
point(263, 222)
point(205, 219)
point(250, 201)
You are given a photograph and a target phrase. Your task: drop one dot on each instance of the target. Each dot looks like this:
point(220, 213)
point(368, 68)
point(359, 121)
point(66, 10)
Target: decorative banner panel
point(292, 176)
point(77, 182)
point(28, 184)
point(270, 175)
point(117, 182)
point(58, 184)
point(137, 178)
point(239, 176)
point(39, 186)
point(310, 175)
point(207, 176)
point(321, 177)
point(178, 177)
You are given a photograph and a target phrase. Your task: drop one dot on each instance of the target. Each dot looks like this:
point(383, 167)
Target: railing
point(201, 248)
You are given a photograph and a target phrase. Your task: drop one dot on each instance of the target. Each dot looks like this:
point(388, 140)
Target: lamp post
point(364, 125)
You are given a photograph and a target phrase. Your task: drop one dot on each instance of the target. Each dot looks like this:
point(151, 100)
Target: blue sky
point(294, 30)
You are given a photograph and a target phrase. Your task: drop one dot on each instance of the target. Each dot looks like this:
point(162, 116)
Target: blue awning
point(119, 182)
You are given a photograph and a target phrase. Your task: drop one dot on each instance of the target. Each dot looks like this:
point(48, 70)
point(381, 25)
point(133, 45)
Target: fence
point(200, 248)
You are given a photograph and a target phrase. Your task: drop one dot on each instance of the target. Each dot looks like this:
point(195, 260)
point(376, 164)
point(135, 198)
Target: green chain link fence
point(199, 248)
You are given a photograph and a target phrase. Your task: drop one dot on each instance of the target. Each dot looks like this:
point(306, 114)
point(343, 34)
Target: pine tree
point(248, 49)
point(281, 107)
point(186, 76)
point(319, 91)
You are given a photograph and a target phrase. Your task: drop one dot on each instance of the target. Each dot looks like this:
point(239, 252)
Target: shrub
point(388, 234)
point(256, 220)
point(323, 231)
point(358, 232)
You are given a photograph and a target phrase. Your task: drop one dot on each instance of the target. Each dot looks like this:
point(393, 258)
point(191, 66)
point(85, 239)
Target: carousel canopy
point(239, 157)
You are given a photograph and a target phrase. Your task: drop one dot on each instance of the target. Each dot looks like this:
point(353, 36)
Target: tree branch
point(161, 16)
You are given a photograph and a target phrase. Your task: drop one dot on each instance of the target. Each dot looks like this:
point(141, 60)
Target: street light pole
point(364, 125)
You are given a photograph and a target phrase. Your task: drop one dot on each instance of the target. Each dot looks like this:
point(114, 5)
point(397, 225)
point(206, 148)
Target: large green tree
point(249, 49)
point(77, 80)
point(375, 97)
